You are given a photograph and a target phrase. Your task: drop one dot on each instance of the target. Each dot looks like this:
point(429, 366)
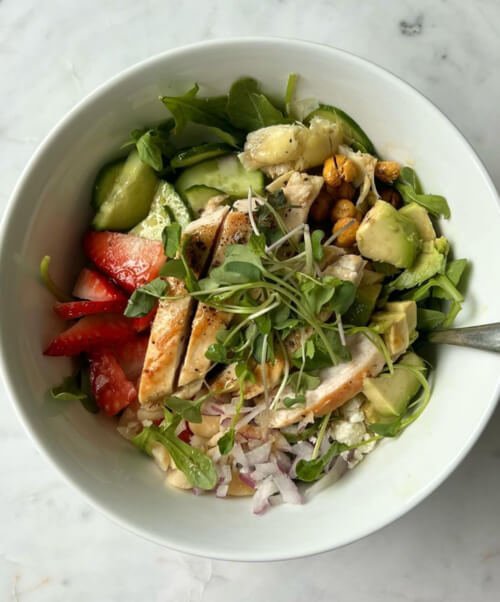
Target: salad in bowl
point(257, 281)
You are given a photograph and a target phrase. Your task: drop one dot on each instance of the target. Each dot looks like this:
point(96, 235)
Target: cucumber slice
point(197, 154)
point(153, 224)
point(199, 195)
point(104, 182)
point(224, 173)
point(130, 198)
point(353, 134)
point(176, 207)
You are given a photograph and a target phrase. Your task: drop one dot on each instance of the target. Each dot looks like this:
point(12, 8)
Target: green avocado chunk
point(421, 219)
point(431, 261)
point(389, 394)
point(363, 305)
point(386, 235)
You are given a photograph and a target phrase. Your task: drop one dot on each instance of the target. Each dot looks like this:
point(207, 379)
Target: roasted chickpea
point(337, 169)
point(343, 208)
point(387, 171)
point(345, 191)
point(392, 196)
point(321, 207)
point(347, 237)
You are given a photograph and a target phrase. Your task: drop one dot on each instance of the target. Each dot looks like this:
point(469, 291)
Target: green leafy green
point(171, 238)
point(311, 470)
point(144, 298)
point(226, 442)
point(429, 319)
point(76, 388)
point(210, 112)
point(299, 399)
point(50, 285)
point(187, 409)
point(318, 250)
point(197, 466)
point(409, 176)
point(302, 382)
point(153, 144)
point(249, 109)
point(291, 85)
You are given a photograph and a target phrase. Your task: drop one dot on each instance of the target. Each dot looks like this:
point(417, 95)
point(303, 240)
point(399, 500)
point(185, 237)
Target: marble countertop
point(53, 546)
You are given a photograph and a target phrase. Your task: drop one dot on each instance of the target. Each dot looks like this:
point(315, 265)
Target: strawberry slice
point(141, 324)
point(130, 356)
point(129, 260)
point(93, 286)
point(110, 387)
point(90, 333)
point(77, 309)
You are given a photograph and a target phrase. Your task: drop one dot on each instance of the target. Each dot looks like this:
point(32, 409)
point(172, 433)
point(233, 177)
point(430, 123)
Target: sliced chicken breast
point(227, 381)
point(338, 383)
point(347, 267)
point(208, 321)
point(171, 326)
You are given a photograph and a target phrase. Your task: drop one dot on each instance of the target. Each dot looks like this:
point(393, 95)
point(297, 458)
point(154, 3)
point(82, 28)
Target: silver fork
point(486, 336)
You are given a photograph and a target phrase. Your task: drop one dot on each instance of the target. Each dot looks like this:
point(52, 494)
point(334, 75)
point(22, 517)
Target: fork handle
point(485, 337)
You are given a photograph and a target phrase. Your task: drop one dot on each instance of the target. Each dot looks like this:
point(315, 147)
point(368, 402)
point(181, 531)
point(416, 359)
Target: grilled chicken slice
point(338, 383)
point(227, 381)
point(208, 321)
point(171, 325)
point(300, 192)
point(347, 267)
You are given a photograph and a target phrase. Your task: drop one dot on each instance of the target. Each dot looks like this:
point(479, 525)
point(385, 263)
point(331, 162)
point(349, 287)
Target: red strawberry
point(77, 309)
point(140, 324)
point(110, 387)
point(95, 287)
point(129, 260)
point(130, 356)
point(186, 434)
point(90, 333)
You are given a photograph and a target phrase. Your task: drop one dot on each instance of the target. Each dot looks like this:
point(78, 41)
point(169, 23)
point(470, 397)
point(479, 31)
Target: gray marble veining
point(53, 546)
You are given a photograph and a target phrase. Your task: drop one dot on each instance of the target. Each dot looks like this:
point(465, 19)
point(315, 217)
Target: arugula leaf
point(312, 470)
point(209, 112)
point(226, 442)
point(76, 388)
point(434, 203)
point(429, 319)
point(174, 268)
point(317, 356)
point(249, 109)
point(409, 176)
point(454, 272)
point(217, 353)
point(171, 238)
point(241, 265)
point(144, 298)
point(50, 285)
point(440, 282)
point(197, 466)
point(187, 409)
point(345, 293)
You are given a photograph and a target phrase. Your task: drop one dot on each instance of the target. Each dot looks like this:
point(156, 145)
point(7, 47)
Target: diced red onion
point(264, 470)
point(240, 457)
point(287, 488)
point(225, 475)
point(283, 461)
point(222, 490)
point(259, 454)
point(247, 480)
point(251, 415)
point(308, 418)
point(212, 409)
point(260, 500)
point(225, 422)
point(197, 491)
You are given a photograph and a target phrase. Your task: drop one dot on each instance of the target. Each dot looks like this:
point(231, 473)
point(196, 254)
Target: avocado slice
point(363, 305)
point(431, 261)
point(421, 219)
point(389, 394)
point(386, 235)
point(397, 323)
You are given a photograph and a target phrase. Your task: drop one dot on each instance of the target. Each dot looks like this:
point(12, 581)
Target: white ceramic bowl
point(49, 211)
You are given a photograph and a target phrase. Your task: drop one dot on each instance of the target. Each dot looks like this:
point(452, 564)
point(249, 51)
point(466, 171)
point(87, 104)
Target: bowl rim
point(23, 415)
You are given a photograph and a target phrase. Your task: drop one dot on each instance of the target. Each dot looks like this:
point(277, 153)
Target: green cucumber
point(104, 182)
point(197, 154)
point(178, 210)
point(199, 195)
point(224, 173)
point(353, 134)
point(158, 217)
point(130, 197)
